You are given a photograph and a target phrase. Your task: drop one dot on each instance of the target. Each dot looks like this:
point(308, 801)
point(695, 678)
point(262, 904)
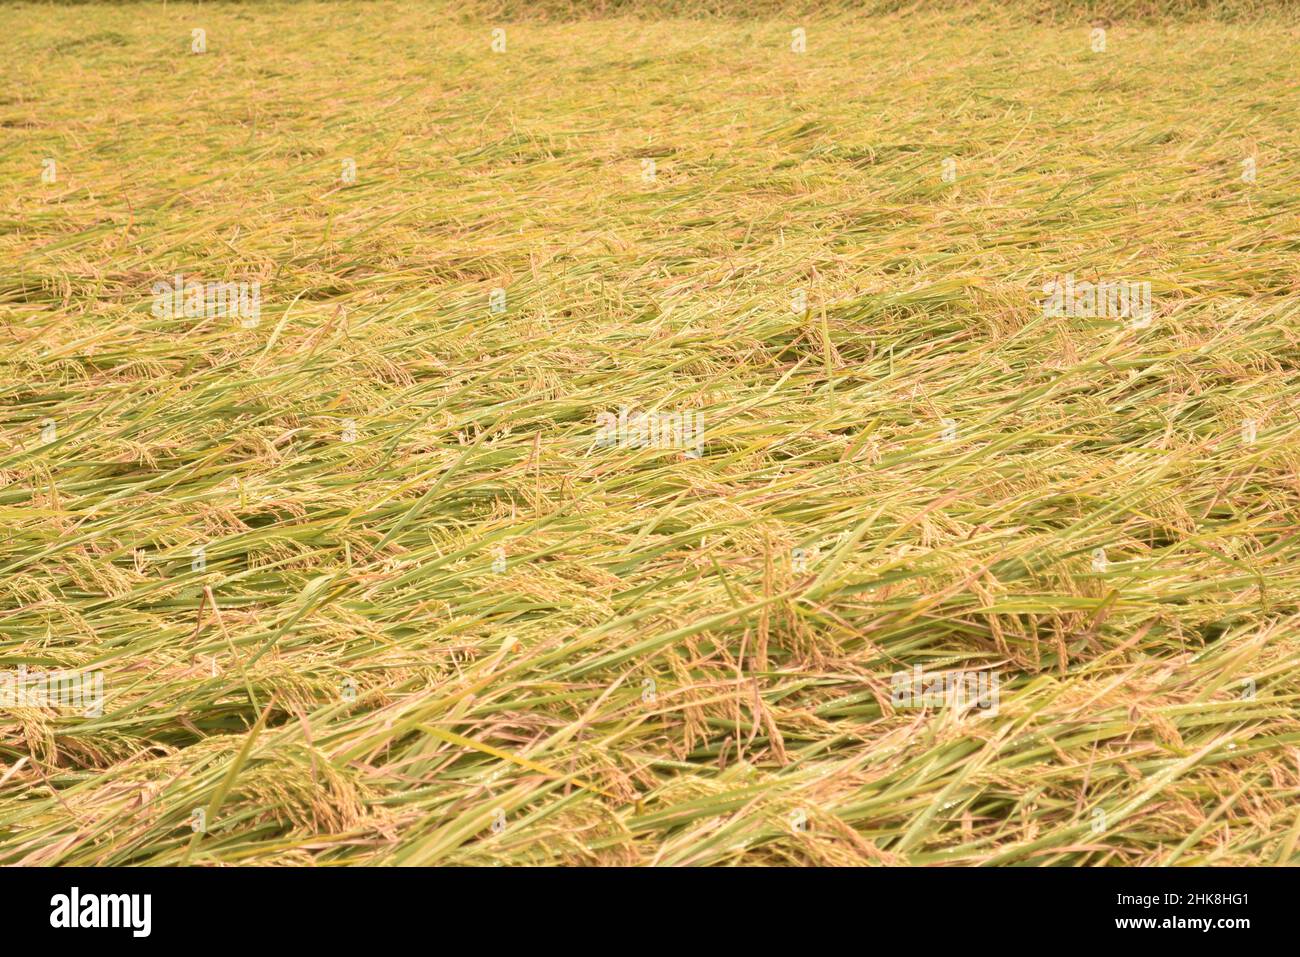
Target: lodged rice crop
point(470, 434)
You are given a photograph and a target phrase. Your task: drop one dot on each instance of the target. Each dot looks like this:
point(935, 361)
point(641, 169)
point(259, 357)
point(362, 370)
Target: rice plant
point(700, 434)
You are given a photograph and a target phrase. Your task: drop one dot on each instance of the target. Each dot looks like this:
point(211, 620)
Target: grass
point(655, 677)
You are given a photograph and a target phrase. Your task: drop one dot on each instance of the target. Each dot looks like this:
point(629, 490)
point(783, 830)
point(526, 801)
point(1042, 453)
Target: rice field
point(471, 435)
